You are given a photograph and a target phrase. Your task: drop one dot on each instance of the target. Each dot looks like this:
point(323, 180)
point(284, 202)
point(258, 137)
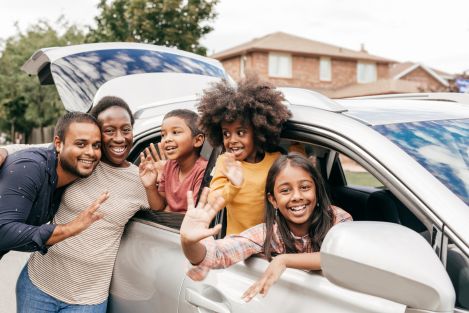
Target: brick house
point(288, 60)
point(428, 78)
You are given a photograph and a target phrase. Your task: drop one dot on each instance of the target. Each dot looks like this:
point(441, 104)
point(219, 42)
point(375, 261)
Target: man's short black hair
point(190, 117)
point(61, 128)
point(111, 101)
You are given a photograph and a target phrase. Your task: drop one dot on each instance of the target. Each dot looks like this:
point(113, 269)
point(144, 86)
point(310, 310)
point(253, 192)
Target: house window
point(325, 69)
point(280, 65)
point(366, 72)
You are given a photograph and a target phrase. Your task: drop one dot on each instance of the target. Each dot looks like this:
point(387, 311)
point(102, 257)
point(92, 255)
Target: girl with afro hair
point(247, 120)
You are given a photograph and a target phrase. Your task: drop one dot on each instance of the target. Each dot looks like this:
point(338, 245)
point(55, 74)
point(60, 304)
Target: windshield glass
point(442, 147)
point(78, 77)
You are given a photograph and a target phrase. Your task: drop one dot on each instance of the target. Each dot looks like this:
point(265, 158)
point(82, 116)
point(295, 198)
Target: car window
point(172, 220)
point(357, 175)
point(439, 146)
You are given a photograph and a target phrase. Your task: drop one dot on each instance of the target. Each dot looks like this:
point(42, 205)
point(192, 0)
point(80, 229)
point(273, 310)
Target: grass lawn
point(362, 179)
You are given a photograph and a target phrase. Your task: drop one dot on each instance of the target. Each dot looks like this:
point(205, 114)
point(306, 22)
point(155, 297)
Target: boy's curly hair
point(252, 101)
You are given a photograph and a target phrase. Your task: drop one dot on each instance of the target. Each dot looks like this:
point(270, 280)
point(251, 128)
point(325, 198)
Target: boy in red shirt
point(179, 166)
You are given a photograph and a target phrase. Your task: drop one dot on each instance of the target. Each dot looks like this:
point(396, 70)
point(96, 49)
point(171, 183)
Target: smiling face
point(177, 139)
point(80, 151)
point(294, 195)
point(238, 138)
point(117, 136)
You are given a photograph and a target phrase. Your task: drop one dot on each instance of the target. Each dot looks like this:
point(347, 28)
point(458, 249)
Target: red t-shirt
point(175, 190)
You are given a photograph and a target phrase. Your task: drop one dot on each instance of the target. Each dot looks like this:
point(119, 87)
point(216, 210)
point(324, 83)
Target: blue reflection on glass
point(442, 147)
point(79, 76)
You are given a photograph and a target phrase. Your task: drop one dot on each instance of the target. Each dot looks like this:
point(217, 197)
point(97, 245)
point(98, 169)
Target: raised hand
point(79, 223)
point(147, 171)
point(232, 170)
point(159, 159)
point(270, 276)
point(88, 216)
point(195, 225)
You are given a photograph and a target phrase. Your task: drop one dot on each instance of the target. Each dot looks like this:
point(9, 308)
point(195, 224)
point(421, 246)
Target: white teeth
point(298, 208)
point(86, 161)
point(118, 150)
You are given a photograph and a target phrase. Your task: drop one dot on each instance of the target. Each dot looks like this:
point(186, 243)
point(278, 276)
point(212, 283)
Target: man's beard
point(68, 167)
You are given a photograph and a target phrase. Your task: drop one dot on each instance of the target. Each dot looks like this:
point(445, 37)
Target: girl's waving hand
point(196, 222)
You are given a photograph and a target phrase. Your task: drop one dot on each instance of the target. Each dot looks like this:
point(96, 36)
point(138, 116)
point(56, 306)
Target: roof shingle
point(283, 42)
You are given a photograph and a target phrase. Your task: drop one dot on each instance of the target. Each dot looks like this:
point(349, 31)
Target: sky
point(432, 32)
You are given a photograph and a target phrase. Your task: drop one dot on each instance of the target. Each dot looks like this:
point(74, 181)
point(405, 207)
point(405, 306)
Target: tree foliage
point(24, 103)
point(173, 23)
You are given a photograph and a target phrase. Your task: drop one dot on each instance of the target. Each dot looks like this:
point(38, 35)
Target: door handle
point(201, 301)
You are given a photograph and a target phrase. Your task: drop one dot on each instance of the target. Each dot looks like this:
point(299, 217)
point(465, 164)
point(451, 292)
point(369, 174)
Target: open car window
point(172, 220)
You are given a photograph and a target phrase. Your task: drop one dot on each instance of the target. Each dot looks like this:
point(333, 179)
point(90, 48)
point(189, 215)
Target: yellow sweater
point(245, 204)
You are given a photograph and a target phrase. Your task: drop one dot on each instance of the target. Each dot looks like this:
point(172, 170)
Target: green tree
point(14, 111)
point(173, 23)
point(24, 103)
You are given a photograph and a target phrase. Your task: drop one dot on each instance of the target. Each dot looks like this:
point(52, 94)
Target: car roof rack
point(433, 96)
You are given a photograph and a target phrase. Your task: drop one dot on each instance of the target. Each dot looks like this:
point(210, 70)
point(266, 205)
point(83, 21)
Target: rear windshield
point(442, 147)
point(78, 77)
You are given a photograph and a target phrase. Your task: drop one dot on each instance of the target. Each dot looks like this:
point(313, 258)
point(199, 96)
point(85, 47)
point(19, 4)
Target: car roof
point(385, 109)
point(379, 111)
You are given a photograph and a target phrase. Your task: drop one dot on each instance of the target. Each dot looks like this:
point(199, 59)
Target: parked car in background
point(398, 164)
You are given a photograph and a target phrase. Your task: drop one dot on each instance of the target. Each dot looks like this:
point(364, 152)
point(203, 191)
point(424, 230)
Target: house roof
point(382, 86)
point(283, 42)
point(399, 70)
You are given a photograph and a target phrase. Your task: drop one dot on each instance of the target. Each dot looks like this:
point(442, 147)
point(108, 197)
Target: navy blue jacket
point(28, 200)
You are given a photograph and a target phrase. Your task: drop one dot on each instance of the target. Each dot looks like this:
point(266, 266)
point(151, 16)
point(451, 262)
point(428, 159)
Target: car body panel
point(297, 291)
point(149, 270)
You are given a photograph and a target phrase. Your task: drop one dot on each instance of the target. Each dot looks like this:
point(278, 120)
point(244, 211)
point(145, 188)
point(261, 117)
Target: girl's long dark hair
point(321, 220)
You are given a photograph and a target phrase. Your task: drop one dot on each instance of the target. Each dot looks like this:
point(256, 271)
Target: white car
point(398, 164)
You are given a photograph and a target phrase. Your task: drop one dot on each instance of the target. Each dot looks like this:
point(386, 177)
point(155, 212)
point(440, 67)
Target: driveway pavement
point(10, 267)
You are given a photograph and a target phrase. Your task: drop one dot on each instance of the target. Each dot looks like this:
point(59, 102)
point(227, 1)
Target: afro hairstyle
point(251, 101)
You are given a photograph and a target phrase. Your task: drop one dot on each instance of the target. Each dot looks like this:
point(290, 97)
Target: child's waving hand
point(159, 159)
point(232, 170)
point(195, 225)
point(147, 171)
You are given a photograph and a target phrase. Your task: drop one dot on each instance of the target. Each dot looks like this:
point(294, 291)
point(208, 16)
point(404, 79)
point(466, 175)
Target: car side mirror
point(388, 261)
